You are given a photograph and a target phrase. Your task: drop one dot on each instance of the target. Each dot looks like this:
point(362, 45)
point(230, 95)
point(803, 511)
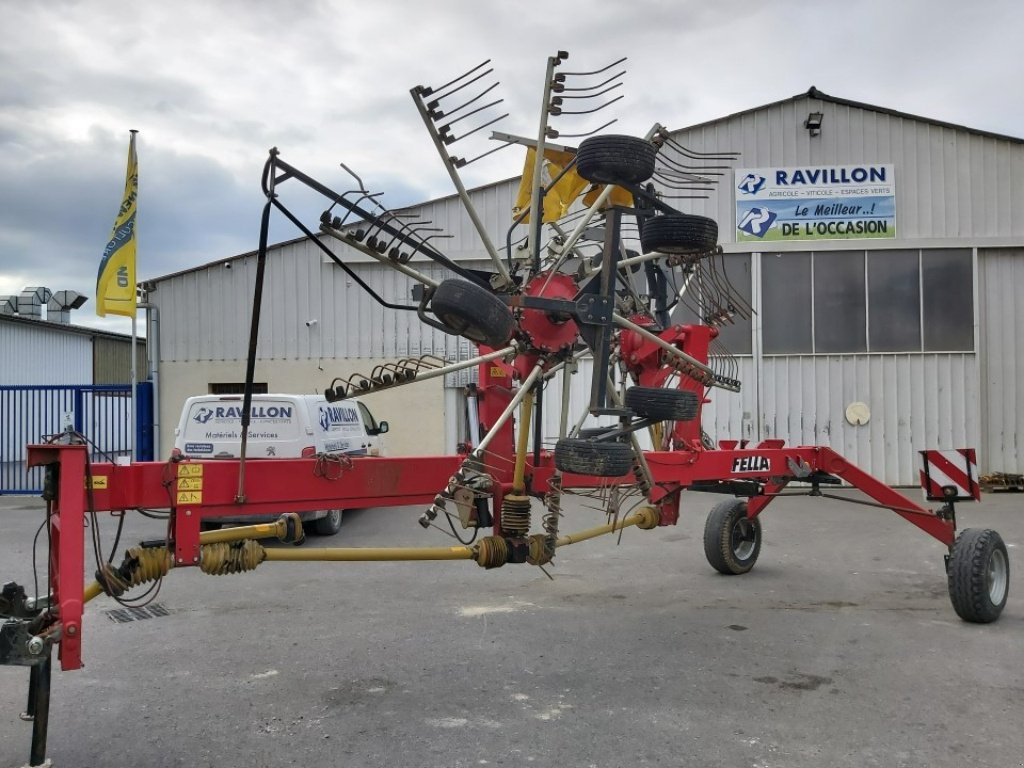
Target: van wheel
point(329, 524)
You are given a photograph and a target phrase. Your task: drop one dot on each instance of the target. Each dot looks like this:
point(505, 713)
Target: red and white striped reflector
point(945, 470)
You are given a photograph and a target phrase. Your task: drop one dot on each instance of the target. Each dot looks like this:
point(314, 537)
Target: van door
point(338, 428)
point(373, 431)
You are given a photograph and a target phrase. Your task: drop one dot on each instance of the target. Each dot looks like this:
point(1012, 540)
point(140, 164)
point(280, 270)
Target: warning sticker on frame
point(836, 202)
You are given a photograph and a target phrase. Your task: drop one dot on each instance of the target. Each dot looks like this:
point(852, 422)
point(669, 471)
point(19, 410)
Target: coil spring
point(544, 550)
point(515, 515)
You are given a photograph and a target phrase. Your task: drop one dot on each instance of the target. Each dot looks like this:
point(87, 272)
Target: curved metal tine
point(665, 158)
point(484, 92)
point(588, 133)
point(591, 111)
point(404, 228)
point(461, 162)
point(450, 123)
point(563, 95)
point(478, 128)
point(736, 298)
point(428, 91)
point(439, 96)
point(677, 181)
point(596, 71)
point(720, 156)
point(367, 196)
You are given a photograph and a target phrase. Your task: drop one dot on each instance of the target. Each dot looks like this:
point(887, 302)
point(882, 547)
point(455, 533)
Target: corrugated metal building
point(915, 317)
point(39, 352)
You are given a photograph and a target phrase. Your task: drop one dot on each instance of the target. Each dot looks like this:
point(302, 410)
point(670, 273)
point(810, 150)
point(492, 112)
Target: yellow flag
point(564, 193)
point(115, 282)
point(560, 197)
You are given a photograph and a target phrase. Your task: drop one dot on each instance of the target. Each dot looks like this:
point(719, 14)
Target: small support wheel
point(679, 233)
point(978, 572)
point(615, 159)
point(663, 404)
point(585, 457)
point(472, 311)
point(732, 541)
point(329, 524)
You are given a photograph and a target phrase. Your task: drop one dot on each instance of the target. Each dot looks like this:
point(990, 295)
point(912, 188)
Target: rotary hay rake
point(598, 273)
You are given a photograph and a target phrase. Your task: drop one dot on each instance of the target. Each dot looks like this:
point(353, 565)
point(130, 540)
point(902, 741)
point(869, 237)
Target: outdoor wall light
point(813, 123)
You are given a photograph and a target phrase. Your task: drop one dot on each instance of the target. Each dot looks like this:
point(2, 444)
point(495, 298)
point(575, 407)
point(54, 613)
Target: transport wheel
point(472, 311)
point(615, 159)
point(584, 457)
point(329, 524)
point(732, 541)
point(679, 233)
point(978, 573)
point(663, 404)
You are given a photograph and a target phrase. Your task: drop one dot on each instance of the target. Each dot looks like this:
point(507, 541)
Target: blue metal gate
point(30, 414)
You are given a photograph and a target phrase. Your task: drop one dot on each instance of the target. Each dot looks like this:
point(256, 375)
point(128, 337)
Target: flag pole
point(132, 438)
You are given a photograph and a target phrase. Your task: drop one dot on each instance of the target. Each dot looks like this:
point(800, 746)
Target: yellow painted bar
point(369, 554)
point(519, 475)
point(600, 530)
point(257, 531)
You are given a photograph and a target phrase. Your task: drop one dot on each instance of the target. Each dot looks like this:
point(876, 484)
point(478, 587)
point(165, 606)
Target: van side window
point(368, 421)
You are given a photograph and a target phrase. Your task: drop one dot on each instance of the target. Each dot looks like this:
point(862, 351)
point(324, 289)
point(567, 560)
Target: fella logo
point(751, 464)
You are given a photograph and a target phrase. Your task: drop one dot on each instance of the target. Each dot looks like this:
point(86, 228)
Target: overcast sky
point(211, 86)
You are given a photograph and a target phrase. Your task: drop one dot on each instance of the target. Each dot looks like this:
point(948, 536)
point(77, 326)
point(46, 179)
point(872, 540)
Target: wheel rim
point(744, 539)
point(998, 576)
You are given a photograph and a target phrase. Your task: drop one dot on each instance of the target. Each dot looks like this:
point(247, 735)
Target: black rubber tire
point(615, 159)
point(663, 404)
point(585, 457)
point(679, 233)
point(732, 541)
point(979, 575)
point(329, 524)
point(472, 311)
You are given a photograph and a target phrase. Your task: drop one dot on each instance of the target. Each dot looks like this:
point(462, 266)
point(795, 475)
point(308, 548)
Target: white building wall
point(34, 355)
point(950, 183)
point(1001, 274)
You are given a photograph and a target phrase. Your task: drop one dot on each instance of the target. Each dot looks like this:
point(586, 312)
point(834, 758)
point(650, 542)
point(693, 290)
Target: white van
point(280, 427)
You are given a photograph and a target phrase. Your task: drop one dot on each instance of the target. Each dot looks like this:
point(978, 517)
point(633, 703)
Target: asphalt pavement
point(839, 649)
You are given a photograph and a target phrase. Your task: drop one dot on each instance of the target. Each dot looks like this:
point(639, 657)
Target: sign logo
point(202, 416)
point(751, 184)
point(751, 464)
point(757, 221)
point(331, 415)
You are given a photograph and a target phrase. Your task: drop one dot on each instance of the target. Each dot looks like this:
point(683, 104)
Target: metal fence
point(31, 414)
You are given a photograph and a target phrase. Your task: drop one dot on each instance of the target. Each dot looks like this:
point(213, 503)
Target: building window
point(840, 310)
point(786, 303)
point(238, 388)
point(836, 302)
point(948, 306)
point(894, 300)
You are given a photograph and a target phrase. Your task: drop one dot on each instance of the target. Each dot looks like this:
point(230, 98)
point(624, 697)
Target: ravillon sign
point(836, 202)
